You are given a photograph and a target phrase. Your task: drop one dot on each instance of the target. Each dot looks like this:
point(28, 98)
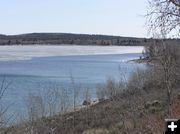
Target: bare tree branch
point(164, 15)
point(175, 2)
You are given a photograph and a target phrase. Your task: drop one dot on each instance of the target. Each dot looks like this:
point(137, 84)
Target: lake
point(37, 74)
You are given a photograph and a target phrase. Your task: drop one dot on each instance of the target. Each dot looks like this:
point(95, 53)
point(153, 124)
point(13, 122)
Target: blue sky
point(112, 17)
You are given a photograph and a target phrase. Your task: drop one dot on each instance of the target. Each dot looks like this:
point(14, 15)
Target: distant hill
point(67, 38)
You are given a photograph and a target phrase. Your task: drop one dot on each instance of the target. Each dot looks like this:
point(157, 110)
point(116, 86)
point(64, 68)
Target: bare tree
point(3, 109)
point(87, 97)
point(101, 92)
point(86, 103)
point(164, 18)
point(122, 78)
point(75, 94)
point(35, 107)
point(64, 100)
point(164, 14)
point(151, 50)
point(169, 58)
point(52, 98)
point(111, 87)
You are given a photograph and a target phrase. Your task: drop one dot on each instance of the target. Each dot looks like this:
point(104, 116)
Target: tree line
point(78, 39)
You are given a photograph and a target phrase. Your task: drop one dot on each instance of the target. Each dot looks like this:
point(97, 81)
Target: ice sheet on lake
point(30, 51)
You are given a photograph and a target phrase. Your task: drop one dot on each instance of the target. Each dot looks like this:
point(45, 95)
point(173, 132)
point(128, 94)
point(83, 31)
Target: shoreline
point(143, 61)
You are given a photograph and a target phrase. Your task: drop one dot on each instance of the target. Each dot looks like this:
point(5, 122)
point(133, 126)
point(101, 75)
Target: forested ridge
point(78, 39)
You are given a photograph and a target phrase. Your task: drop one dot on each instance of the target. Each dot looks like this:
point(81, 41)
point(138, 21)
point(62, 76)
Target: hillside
point(67, 38)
